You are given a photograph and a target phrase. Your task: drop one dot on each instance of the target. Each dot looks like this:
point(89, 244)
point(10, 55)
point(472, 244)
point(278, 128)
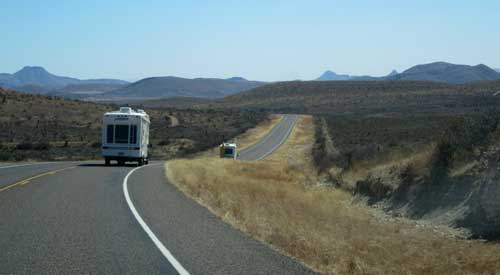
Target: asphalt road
point(83, 217)
point(269, 143)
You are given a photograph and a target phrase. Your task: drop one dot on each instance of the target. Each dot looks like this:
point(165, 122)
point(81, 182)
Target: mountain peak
point(237, 78)
point(393, 72)
point(37, 75)
point(330, 75)
point(447, 72)
point(32, 69)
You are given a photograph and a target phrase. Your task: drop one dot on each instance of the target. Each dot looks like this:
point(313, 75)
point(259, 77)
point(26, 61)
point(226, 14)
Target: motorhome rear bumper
point(117, 153)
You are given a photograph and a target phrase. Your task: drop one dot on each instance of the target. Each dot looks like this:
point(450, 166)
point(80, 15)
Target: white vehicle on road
point(228, 150)
point(125, 136)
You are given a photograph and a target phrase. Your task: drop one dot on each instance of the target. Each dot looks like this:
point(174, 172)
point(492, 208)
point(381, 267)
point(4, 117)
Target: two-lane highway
point(272, 141)
point(16, 174)
point(67, 217)
point(74, 221)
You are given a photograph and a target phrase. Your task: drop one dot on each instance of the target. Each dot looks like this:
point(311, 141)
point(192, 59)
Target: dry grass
point(397, 161)
point(280, 202)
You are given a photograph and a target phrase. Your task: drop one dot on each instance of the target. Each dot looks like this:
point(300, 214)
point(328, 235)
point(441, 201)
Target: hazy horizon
point(259, 41)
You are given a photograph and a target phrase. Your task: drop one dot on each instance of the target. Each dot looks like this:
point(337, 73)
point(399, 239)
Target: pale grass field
point(281, 202)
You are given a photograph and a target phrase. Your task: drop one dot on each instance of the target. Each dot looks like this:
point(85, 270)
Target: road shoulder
point(195, 236)
point(245, 194)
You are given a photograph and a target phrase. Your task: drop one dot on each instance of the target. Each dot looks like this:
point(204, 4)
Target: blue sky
point(263, 40)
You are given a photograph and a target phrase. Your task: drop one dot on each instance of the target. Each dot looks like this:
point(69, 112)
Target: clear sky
point(262, 40)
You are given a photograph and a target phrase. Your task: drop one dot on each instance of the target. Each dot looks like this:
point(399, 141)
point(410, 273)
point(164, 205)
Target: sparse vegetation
point(425, 151)
point(432, 167)
point(283, 202)
point(50, 128)
point(364, 97)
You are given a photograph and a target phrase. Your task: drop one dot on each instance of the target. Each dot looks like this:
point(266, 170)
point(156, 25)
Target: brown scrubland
point(36, 127)
point(287, 203)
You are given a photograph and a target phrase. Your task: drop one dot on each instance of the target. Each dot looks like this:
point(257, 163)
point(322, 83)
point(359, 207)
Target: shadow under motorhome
point(125, 136)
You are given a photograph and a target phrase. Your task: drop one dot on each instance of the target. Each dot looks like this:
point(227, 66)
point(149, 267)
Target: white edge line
point(21, 165)
point(282, 141)
point(146, 228)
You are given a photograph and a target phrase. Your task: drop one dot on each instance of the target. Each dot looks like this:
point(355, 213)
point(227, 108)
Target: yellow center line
point(28, 180)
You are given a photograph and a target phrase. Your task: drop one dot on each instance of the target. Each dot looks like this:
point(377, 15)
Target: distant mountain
point(393, 72)
point(30, 77)
point(447, 72)
point(498, 70)
point(437, 72)
point(33, 89)
point(104, 81)
point(331, 76)
point(8, 80)
point(170, 86)
point(89, 88)
point(237, 78)
point(40, 77)
point(79, 91)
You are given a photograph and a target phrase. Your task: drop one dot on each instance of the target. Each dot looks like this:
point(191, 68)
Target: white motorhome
point(125, 136)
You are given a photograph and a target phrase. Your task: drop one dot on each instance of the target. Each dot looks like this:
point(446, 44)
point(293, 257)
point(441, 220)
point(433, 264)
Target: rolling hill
point(446, 72)
point(80, 91)
point(437, 72)
point(170, 86)
point(342, 97)
point(35, 79)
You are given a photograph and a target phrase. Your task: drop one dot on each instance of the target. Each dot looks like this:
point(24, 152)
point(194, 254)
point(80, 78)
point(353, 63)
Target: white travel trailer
point(228, 150)
point(125, 136)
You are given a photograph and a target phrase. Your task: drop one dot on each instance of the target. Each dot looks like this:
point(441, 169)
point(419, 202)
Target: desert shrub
point(163, 143)
point(24, 146)
point(461, 137)
point(441, 160)
point(41, 146)
point(33, 146)
point(323, 156)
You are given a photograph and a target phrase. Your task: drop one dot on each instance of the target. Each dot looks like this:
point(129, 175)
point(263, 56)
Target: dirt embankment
point(453, 181)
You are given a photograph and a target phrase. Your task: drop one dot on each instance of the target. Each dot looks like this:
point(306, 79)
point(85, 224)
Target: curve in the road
point(12, 174)
point(77, 221)
point(212, 246)
point(9, 165)
point(166, 253)
point(272, 141)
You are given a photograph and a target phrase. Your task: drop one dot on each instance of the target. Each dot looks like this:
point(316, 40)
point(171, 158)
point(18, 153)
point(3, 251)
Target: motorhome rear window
point(121, 133)
point(133, 134)
point(110, 133)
